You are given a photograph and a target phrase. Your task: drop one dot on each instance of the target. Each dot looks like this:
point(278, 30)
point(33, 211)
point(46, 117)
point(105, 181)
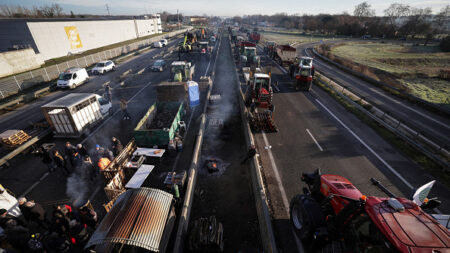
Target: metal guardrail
point(14, 84)
point(397, 129)
point(376, 82)
point(436, 144)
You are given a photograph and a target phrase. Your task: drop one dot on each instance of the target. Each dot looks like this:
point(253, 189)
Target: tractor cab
point(203, 47)
point(249, 52)
point(261, 89)
point(333, 213)
point(181, 71)
point(303, 71)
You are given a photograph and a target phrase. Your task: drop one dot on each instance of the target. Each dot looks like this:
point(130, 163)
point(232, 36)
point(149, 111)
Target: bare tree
point(6, 10)
point(394, 12)
point(443, 18)
point(363, 10)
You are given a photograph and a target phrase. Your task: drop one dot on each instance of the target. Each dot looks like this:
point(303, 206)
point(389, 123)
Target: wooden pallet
point(262, 121)
point(14, 138)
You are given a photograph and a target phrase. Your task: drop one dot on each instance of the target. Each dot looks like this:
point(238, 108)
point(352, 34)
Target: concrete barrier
point(262, 206)
point(141, 71)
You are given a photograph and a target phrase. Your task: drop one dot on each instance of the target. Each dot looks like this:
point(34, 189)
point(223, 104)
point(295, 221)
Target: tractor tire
point(305, 215)
point(308, 86)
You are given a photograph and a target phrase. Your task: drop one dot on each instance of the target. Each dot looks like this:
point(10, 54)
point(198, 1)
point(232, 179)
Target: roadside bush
point(445, 44)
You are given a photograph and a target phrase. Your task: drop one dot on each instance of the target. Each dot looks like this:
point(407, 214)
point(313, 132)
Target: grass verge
point(409, 151)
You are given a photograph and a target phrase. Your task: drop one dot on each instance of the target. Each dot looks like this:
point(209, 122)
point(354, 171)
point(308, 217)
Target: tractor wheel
point(305, 215)
point(308, 86)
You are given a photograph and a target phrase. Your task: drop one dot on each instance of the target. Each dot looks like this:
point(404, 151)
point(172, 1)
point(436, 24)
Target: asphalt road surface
point(432, 125)
point(317, 132)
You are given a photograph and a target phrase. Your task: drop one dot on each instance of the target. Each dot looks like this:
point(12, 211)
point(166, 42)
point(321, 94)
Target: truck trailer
point(75, 114)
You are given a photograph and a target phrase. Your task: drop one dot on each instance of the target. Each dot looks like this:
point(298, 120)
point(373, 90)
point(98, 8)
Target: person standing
point(69, 153)
point(37, 213)
point(108, 92)
point(60, 162)
point(46, 159)
point(82, 151)
point(117, 146)
point(250, 154)
point(124, 108)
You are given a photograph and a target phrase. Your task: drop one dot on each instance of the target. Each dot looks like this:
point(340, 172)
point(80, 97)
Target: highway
point(432, 125)
point(28, 176)
point(317, 132)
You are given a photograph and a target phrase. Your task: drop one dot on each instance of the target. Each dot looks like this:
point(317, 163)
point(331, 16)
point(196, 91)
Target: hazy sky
point(222, 7)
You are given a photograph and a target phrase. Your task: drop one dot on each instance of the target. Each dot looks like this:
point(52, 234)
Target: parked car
point(157, 44)
point(164, 42)
point(72, 78)
point(103, 67)
point(159, 65)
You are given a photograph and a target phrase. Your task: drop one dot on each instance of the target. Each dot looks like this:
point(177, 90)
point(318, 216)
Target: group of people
point(67, 230)
point(79, 157)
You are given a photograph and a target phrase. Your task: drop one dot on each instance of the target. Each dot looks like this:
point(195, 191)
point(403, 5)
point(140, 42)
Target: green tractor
point(248, 56)
point(181, 71)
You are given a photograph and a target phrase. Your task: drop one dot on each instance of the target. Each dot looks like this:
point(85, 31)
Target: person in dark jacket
point(37, 214)
point(69, 153)
point(82, 151)
point(8, 221)
point(46, 159)
point(117, 146)
point(60, 162)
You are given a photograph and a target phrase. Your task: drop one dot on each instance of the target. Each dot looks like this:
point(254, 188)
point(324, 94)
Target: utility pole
point(178, 20)
point(107, 9)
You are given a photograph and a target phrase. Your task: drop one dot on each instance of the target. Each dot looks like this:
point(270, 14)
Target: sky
point(222, 7)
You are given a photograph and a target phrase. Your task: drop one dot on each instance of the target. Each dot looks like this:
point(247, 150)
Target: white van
point(164, 42)
point(158, 44)
point(72, 78)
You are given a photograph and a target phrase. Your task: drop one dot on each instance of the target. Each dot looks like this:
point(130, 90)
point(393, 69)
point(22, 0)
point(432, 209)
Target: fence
point(14, 84)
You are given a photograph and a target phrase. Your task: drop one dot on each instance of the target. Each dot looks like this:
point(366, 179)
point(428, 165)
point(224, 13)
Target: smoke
point(77, 185)
point(221, 113)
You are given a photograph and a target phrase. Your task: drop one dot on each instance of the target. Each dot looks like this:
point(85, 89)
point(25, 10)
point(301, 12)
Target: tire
point(86, 80)
point(305, 215)
point(114, 68)
point(110, 111)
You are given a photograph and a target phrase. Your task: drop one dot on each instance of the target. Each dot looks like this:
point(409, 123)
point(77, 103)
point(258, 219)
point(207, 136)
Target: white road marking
point(314, 139)
point(367, 146)
point(388, 97)
point(277, 175)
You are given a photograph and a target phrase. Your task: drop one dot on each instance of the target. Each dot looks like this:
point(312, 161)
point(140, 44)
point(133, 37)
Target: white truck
point(75, 114)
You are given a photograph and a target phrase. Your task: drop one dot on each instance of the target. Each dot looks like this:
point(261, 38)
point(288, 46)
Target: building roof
point(69, 100)
point(138, 218)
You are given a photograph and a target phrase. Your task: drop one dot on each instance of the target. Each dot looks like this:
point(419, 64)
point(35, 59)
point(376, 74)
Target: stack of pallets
point(262, 121)
point(14, 138)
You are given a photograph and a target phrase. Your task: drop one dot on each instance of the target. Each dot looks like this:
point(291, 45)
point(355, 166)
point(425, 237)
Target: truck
point(269, 48)
point(332, 215)
point(162, 119)
point(181, 71)
point(303, 71)
point(76, 114)
point(284, 54)
point(254, 37)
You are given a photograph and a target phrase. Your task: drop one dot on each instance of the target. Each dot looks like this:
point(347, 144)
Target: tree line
point(399, 21)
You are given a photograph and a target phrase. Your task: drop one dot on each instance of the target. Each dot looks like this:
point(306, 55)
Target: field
point(288, 37)
point(417, 67)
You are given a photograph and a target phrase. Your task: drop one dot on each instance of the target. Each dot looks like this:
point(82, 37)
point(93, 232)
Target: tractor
point(181, 71)
point(204, 48)
point(332, 215)
point(247, 55)
point(303, 71)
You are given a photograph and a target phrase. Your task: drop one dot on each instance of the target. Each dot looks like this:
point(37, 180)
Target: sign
point(73, 37)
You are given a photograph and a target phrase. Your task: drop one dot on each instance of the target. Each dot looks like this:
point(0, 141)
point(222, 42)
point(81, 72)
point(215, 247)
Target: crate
point(175, 178)
point(14, 138)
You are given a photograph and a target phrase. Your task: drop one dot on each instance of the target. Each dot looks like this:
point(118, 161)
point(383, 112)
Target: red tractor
point(254, 37)
point(334, 216)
